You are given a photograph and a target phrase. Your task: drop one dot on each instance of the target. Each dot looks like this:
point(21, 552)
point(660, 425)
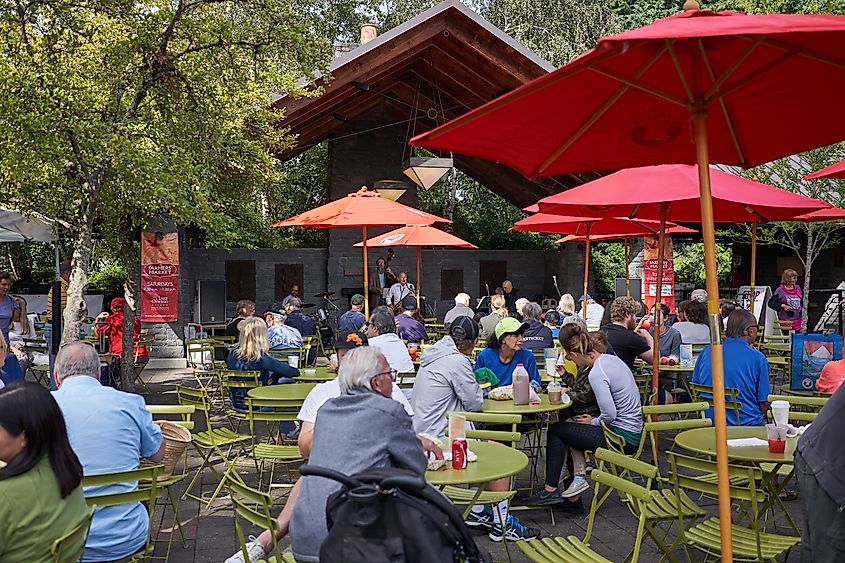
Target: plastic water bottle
point(521, 386)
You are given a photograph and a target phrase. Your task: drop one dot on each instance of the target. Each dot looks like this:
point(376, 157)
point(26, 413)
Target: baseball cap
point(357, 299)
point(409, 302)
point(463, 327)
point(64, 267)
point(350, 339)
point(510, 325)
point(581, 300)
point(551, 316)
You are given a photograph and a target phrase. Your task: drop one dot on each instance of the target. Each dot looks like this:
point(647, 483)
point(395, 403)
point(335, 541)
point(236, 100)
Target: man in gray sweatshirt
point(446, 381)
point(820, 467)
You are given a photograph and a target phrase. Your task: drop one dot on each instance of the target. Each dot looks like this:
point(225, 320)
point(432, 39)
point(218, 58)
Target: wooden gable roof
point(436, 66)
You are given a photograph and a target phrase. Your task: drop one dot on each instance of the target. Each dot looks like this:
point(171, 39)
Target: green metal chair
point(147, 492)
point(70, 547)
point(638, 498)
point(234, 386)
point(211, 443)
point(704, 393)
point(256, 508)
point(801, 409)
point(184, 417)
point(749, 544)
point(273, 412)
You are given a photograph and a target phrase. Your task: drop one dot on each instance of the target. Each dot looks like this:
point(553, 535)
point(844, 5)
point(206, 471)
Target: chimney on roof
point(369, 31)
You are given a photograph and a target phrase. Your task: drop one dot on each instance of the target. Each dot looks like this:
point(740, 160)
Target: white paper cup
point(550, 366)
point(293, 361)
point(780, 412)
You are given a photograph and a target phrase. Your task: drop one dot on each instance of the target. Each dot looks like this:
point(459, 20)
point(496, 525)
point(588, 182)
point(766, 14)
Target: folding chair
point(210, 443)
point(749, 544)
point(244, 498)
point(184, 417)
point(146, 493)
point(273, 412)
point(704, 393)
point(801, 409)
point(142, 340)
point(637, 498)
point(40, 373)
point(69, 547)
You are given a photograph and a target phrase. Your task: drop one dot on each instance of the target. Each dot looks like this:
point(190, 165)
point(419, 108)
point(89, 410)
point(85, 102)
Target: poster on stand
point(650, 274)
point(159, 277)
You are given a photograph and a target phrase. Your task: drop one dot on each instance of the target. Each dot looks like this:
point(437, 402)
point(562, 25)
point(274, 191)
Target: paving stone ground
point(210, 535)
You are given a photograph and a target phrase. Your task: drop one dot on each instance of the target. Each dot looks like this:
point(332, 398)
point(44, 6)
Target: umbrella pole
point(366, 278)
point(586, 269)
point(627, 273)
point(658, 309)
point(753, 265)
point(419, 282)
point(699, 119)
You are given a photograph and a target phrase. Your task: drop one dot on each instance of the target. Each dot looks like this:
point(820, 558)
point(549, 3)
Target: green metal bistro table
point(495, 461)
point(539, 414)
point(703, 441)
point(507, 407)
point(320, 375)
point(294, 393)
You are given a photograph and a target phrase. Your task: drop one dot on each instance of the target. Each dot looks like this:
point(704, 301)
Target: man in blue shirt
point(353, 319)
point(746, 369)
point(506, 352)
point(109, 430)
point(281, 335)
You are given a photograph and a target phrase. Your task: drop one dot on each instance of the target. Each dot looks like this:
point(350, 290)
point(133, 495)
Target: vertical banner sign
point(650, 273)
point(159, 277)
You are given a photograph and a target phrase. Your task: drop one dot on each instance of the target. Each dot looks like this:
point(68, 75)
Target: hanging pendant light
point(426, 171)
point(390, 189)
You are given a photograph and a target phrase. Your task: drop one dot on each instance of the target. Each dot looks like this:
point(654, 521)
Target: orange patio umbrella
point(419, 236)
point(363, 209)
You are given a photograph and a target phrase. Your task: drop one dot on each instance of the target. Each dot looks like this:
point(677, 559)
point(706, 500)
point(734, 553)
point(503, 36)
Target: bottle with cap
point(521, 386)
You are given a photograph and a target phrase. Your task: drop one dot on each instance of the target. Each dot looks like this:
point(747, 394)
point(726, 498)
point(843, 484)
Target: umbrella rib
point(597, 115)
point(808, 54)
point(730, 70)
point(639, 85)
point(722, 102)
point(680, 71)
point(755, 75)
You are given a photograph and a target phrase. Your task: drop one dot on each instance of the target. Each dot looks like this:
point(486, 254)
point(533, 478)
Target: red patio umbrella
point(588, 227)
point(833, 171)
point(419, 236)
point(363, 209)
point(752, 87)
point(624, 237)
point(829, 214)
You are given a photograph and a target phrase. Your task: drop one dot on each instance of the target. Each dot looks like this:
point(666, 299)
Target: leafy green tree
point(112, 112)
point(806, 240)
point(689, 263)
point(608, 261)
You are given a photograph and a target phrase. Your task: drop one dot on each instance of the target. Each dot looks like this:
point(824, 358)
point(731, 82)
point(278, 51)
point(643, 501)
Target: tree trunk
point(130, 310)
point(808, 267)
point(83, 249)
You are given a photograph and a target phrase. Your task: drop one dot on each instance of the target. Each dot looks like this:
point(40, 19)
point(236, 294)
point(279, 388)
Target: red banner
point(650, 274)
point(159, 277)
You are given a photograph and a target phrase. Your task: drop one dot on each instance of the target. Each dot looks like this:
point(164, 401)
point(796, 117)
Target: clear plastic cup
point(293, 361)
point(777, 438)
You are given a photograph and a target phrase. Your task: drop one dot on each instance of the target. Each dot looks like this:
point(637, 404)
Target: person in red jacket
point(112, 326)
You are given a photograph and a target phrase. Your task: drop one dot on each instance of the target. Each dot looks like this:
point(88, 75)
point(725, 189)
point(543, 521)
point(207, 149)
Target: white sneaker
point(578, 486)
point(253, 549)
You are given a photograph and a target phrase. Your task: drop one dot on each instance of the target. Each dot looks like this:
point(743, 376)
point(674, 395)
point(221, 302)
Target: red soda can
point(459, 453)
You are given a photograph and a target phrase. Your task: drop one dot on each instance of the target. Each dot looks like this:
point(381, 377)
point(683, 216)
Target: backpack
point(393, 515)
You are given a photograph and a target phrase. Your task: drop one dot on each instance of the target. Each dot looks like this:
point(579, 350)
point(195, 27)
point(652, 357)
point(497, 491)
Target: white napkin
point(747, 442)
point(447, 455)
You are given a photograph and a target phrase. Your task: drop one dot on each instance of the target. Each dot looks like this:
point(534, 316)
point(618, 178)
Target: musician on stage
point(294, 292)
point(400, 290)
point(381, 280)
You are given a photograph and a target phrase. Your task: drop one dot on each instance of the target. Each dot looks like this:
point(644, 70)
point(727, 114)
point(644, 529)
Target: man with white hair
point(109, 430)
point(361, 429)
point(461, 309)
point(400, 290)
point(281, 335)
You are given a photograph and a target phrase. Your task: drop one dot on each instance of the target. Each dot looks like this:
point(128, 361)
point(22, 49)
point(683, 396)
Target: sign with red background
point(650, 274)
point(159, 277)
